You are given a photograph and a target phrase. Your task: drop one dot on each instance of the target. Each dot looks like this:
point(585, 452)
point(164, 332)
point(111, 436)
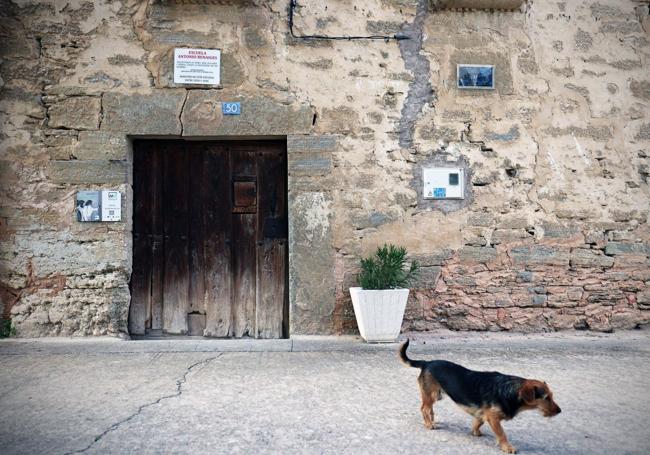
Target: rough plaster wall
point(555, 236)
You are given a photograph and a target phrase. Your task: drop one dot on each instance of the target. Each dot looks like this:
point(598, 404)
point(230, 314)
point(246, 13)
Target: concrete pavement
point(315, 395)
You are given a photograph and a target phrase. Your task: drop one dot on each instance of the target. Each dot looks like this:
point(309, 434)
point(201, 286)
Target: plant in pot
point(380, 300)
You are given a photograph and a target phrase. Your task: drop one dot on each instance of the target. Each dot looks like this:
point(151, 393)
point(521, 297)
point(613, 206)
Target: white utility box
point(443, 183)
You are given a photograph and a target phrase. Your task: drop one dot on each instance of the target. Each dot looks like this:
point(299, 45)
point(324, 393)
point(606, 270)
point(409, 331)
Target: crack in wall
point(180, 114)
point(179, 391)
point(420, 90)
point(101, 111)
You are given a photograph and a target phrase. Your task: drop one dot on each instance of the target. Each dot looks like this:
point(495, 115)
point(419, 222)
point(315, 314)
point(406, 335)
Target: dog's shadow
point(488, 440)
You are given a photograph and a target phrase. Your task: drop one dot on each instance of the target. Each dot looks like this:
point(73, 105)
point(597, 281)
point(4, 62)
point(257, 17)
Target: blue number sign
point(231, 108)
point(439, 193)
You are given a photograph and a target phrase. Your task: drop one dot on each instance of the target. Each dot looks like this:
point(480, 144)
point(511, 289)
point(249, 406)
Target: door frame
point(286, 308)
point(313, 272)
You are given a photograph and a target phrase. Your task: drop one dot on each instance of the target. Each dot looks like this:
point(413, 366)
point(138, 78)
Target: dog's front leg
point(495, 423)
point(476, 426)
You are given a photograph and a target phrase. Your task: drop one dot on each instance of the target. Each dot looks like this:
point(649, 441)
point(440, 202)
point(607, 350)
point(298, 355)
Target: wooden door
point(209, 239)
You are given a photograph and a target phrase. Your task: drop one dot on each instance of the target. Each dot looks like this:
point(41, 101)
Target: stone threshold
point(435, 342)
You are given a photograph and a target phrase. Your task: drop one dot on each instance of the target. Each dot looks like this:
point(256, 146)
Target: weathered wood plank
point(269, 314)
point(244, 271)
point(217, 243)
point(157, 240)
point(244, 274)
point(198, 199)
point(272, 241)
point(141, 274)
point(176, 281)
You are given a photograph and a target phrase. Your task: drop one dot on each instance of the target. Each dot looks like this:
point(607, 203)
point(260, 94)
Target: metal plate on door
point(244, 196)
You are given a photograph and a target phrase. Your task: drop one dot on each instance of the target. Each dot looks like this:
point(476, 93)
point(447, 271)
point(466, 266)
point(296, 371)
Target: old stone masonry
point(541, 107)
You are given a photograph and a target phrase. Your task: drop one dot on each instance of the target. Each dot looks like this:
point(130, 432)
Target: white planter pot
point(379, 313)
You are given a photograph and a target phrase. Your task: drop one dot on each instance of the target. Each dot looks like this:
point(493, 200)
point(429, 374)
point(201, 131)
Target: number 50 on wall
point(231, 108)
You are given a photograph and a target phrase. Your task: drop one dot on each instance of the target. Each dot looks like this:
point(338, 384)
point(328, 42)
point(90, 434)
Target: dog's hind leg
point(430, 393)
point(476, 426)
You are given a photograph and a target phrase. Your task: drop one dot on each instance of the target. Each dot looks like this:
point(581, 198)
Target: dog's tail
point(405, 359)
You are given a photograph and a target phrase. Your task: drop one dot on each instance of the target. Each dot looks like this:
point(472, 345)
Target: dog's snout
point(559, 410)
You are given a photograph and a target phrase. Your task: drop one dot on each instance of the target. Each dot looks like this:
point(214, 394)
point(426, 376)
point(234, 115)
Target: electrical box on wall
point(443, 183)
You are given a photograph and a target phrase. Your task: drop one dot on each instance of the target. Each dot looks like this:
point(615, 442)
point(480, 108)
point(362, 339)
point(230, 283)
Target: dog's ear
point(527, 392)
point(541, 392)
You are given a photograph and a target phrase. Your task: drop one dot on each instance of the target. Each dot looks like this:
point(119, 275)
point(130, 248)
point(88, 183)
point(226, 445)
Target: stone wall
point(554, 232)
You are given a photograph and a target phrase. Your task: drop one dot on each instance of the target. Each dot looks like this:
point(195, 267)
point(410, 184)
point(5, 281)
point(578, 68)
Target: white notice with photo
point(197, 66)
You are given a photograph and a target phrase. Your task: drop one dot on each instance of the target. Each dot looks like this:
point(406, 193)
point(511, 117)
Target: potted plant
point(380, 300)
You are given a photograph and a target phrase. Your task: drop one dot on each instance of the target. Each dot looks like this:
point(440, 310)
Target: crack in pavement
point(179, 391)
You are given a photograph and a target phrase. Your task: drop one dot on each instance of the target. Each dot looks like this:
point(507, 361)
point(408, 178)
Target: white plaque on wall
point(111, 207)
point(197, 66)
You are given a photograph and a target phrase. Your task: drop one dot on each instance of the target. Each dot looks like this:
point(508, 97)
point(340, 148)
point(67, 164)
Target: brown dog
point(487, 396)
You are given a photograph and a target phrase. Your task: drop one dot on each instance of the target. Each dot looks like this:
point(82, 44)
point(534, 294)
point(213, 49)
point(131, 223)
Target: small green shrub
point(6, 329)
point(387, 269)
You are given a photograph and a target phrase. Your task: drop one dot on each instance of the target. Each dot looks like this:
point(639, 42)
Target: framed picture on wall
point(475, 77)
point(88, 206)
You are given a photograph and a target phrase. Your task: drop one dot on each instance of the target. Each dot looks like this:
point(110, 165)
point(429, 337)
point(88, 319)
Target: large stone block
point(540, 255)
point(317, 144)
point(311, 263)
point(372, 220)
point(560, 232)
point(254, 38)
point(203, 116)
point(525, 276)
point(620, 27)
point(643, 300)
point(434, 258)
point(590, 258)
point(477, 254)
point(73, 312)
point(621, 248)
point(21, 101)
point(77, 112)
point(597, 133)
point(76, 256)
point(157, 112)
point(100, 145)
point(427, 277)
point(87, 171)
point(309, 164)
point(506, 136)
point(480, 219)
point(607, 297)
point(644, 133)
point(439, 133)
point(175, 37)
point(626, 320)
point(475, 236)
point(340, 120)
point(60, 147)
point(509, 235)
point(640, 89)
